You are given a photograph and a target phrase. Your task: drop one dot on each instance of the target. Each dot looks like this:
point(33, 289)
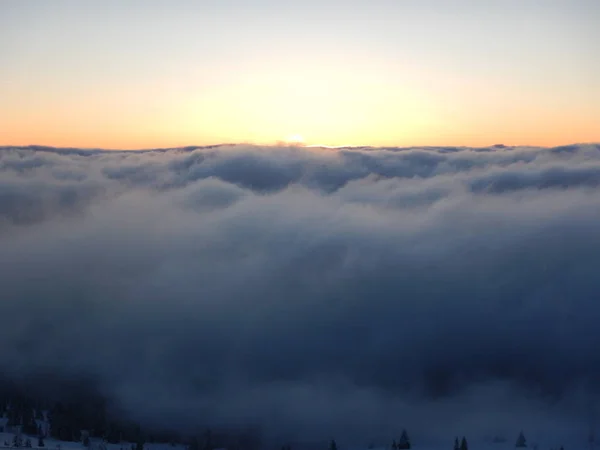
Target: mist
point(310, 292)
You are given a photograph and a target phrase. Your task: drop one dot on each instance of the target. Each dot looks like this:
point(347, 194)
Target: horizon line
point(289, 145)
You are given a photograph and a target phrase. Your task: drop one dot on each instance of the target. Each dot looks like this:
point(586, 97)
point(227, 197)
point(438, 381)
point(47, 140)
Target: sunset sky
point(140, 74)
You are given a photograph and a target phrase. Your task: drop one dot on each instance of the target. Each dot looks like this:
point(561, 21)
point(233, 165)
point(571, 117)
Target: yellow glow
point(332, 104)
point(295, 139)
point(391, 75)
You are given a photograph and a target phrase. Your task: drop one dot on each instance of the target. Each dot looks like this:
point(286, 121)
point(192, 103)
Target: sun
point(295, 139)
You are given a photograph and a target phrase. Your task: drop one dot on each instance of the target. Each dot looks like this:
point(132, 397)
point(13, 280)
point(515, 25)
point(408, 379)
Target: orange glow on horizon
point(331, 106)
point(396, 74)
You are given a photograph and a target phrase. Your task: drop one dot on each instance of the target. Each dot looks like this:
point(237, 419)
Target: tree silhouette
point(463, 444)
point(521, 441)
point(208, 440)
point(404, 443)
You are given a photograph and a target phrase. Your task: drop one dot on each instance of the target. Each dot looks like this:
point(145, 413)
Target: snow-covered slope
point(547, 442)
point(53, 444)
point(6, 441)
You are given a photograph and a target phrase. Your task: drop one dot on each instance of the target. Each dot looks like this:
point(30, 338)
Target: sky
point(311, 293)
point(132, 74)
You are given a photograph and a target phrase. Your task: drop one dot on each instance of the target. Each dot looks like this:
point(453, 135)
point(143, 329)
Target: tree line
point(81, 418)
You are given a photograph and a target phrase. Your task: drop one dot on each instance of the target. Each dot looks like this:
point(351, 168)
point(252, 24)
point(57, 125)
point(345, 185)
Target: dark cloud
point(310, 291)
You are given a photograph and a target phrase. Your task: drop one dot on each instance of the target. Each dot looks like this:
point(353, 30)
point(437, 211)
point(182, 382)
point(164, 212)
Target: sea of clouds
point(313, 292)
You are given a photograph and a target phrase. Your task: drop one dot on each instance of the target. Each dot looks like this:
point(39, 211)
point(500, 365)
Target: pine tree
point(208, 440)
point(394, 445)
point(456, 444)
point(521, 441)
point(404, 443)
point(12, 416)
point(333, 445)
point(194, 444)
point(28, 421)
point(463, 444)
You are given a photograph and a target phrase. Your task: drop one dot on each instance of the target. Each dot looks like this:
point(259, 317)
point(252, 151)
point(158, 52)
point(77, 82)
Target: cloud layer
point(311, 292)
